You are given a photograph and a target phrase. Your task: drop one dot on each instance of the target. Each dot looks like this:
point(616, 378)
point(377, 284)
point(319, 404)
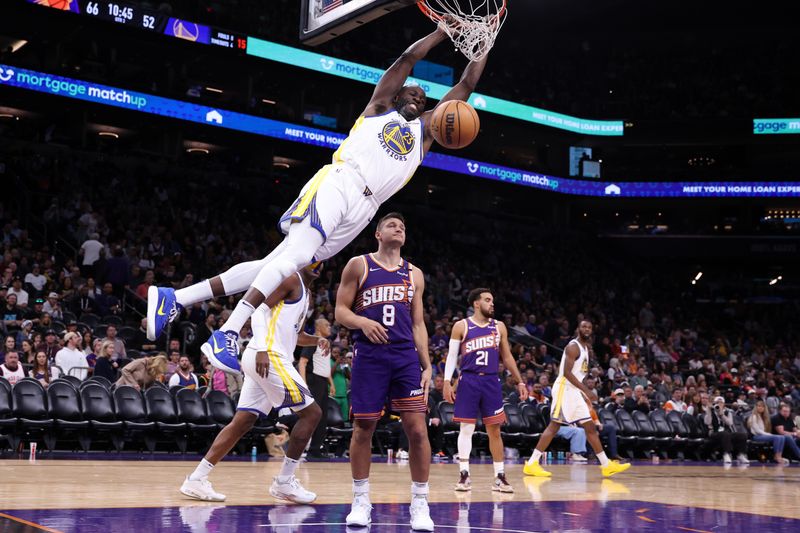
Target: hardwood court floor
point(757, 491)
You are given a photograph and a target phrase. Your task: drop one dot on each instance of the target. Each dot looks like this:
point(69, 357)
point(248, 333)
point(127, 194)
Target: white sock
point(203, 470)
point(602, 458)
point(499, 468)
point(361, 487)
point(241, 313)
point(465, 444)
point(535, 456)
point(463, 466)
point(199, 292)
point(288, 469)
point(419, 490)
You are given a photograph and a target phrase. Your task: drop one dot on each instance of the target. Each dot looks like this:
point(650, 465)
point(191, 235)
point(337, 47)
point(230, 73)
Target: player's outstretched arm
point(345, 297)
point(509, 362)
point(395, 76)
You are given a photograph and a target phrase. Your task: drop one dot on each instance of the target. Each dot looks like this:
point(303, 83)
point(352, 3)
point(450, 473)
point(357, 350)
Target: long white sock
point(535, 456)
point(602, 458)
point(199, 292)
point(203, 470)
point(361, 487)
point(465, 444)
point(499, 468)
point(463, 466)
point(287, 469)
point(239, 316)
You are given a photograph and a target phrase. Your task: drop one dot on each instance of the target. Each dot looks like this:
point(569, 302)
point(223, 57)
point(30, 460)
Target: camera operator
point(721, 431)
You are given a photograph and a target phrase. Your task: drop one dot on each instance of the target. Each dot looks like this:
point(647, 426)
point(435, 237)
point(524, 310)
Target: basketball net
point(472, 25)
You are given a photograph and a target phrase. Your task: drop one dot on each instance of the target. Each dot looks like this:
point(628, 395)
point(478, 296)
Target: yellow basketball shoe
point(535, 469)
point(614, 467)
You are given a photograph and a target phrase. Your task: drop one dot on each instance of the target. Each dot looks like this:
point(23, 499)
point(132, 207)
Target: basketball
point(455, 124)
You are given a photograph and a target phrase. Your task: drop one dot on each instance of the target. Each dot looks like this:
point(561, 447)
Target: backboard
point(322, 20)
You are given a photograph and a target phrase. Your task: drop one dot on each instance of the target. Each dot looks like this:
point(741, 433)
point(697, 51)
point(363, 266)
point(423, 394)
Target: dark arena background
point(636, 166)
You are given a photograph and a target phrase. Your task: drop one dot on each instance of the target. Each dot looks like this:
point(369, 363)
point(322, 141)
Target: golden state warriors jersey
point(385, 150)
point(581, 366)
point(275, 330)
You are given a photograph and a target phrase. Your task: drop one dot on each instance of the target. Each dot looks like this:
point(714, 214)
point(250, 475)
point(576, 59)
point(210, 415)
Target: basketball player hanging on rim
point(380, 300)
point(270, 381)
point(570, 405)
point(481, 341)
point(384, 148)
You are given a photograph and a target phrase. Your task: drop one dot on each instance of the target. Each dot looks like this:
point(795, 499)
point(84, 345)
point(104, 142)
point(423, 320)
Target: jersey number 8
point(388, 315)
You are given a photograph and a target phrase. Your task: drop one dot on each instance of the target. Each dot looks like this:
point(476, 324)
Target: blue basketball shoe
point(162, 308)
point(222, 351)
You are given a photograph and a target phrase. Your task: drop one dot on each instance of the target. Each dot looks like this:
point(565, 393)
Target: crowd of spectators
point(655, 347)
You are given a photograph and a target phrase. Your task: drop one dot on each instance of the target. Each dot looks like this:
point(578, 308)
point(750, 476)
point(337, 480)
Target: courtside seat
point(191, 409)
point(514, 429)
point(647, 432)
point(688, 427)
point(64, 407)
point(338, 433)
point(161, 410)
point(29, 406)
point(132, 411)
point(627, 443)
point(533, 421)
point(99, 379)
point(626, 427)
point(8, 422)
point(220, 408)
point(666, 439)
point(97, 406)
point(450, 428)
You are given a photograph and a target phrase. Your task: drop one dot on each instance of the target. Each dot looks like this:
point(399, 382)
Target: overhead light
point(281, 164)
point(16, 45)
point(108, 134)
point(698, 276)
point(268, 101)
point(9, 116)
point(214, 90)
point(197, 151)
point(694, 282)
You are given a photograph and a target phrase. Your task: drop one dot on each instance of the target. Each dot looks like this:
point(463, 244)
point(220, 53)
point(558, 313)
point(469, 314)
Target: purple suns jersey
point(385, 297)
point(480, 348)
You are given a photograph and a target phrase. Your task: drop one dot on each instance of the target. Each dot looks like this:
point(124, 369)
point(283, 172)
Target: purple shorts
point(385, 372)
point(479, 395)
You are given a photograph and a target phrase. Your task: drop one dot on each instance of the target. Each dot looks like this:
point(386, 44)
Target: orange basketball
point(455, 124)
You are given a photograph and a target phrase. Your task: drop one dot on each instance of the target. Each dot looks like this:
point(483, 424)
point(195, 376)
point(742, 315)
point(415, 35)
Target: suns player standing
point(481, 341)
point(382, 152)
point(570, 405)
point(380, 300)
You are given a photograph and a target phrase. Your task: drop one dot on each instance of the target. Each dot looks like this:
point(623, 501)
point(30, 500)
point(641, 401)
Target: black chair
point(68, 317)
point(105, 382)
point(4, 384)
point(161, 410)
point(514, 429)
point(450, 428)
point(133, 354)
point(58, 327)
point(65, 410)
point(220, 408)
point(627, 428)
point(99, 330)
point(29, 406)
point(192, 410)
point(70, 382)
point(97, 406)
point(666, 439)
point(90, 319)
point(75, 380)
point(534, 422)
point(688, 428)
point(647, 432)
point(339, 433)
point(127, 334)
point(8, 422)
point(132, 411)
point(755, 447)
point(626, 443)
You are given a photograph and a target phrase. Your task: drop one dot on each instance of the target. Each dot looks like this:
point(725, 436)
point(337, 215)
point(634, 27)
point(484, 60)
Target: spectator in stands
point(67, 291)
point(184, 377)
point(25, 332)
point(9, 345)
point(510, 386)
point(53, 306)
point(640, 378)
point(536, 396)
point(630, 400)
point(117, 271)
point(435, 430)
point(693, 406)
point(17, 290)
point(140, 340)
point(141, 289)
point(646, 317)
point(105, 366)
point(50, 345)
point(35, 278)
point(27, 352)
point(119, 346)
point(783, 424)
point(42, 371)
point(760, 426)
point(173, 362)
point(90, 252)
point(107, 303)
point(71, 358)
point(83, 302)
point(642, 402)
point(94, 353)
point(577, 442)
point(12, 314)
point(544, 381)
point(721, 431)
point(676, 403)
point(141, 373)
point(11, 369)
point(341, 378)
point(617, 400)
point(314, 366)
point(87, 343)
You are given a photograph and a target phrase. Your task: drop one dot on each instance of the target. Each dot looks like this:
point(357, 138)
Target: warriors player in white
point(271, 382)
point(384, 148)
point(570, 407)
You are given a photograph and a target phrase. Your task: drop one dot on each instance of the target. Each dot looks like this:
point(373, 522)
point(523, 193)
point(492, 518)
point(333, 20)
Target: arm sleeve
point(452, 358)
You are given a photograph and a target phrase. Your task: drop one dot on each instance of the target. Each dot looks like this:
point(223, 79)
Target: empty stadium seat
point(161, 410)
point(627, 428)
point(29, 404)
point(97, 406)
point(219, 407)
point(132, 412)
point(191, 410)
point(666, 439)
point(647, 432)
point(64, 407)
point(339, 432)
point(101, 380)
point(8, 422)
point(514, 429)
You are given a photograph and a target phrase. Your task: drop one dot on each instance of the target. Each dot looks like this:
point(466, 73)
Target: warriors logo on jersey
point(397, 139)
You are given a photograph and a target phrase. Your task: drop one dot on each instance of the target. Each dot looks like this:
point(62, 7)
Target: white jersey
point(581, 366)
point(275, 330)
point(385, 150)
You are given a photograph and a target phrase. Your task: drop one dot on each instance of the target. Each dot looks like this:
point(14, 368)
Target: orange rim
point(428, 12)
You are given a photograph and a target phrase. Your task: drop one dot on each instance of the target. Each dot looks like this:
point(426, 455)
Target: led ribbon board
point(482, 102)
point(773, 126)
point(200, 114)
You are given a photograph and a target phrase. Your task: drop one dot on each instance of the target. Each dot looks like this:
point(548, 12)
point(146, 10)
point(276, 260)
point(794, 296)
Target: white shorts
point(283, 386)
point(337, 203)
point(569, 404)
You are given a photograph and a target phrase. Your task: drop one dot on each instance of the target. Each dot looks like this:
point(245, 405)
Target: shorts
point(479, 395)
point(283, 386)
point(385, 372)
point(337, 203)
point(569, 404)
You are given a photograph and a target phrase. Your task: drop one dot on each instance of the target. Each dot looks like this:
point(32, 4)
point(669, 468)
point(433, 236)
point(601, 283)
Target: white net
point(472, 25)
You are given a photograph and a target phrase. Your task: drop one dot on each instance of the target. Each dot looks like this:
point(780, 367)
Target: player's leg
point(465, 432)
point(197, 485)
point(369, 387)
point(608, 468)
point(466, 413)
point(532, 466)
point(493, 415)
point(285, 486)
